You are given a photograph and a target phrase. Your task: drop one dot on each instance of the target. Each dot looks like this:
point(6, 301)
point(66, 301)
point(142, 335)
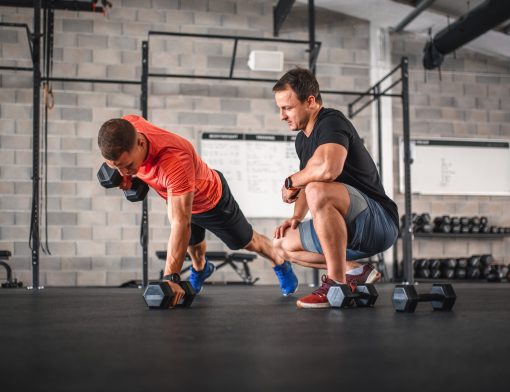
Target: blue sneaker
point(197, 278)
point(286, 277)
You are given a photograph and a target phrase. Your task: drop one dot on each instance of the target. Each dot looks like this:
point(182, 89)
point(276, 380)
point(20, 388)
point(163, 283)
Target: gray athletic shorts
point(370, 228)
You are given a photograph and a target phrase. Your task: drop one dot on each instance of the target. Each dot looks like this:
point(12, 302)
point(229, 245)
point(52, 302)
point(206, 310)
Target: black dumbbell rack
point(470, 268)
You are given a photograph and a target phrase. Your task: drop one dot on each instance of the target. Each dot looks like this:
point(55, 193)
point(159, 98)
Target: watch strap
point(288, 183)
point(175, 277)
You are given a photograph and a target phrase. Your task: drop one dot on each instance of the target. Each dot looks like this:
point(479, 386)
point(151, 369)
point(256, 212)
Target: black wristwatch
point(175, 278)
point(288, 183)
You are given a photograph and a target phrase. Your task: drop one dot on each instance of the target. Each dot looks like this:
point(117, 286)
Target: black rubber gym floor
point(250, 339)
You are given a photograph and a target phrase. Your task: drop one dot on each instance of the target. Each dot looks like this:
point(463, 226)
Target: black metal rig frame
point(34, 42)
point(375, 93)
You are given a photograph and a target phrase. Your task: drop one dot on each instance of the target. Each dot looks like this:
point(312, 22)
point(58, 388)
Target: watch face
point(175, 278)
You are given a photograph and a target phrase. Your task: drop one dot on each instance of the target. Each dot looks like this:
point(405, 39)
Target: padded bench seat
point(224, 258)
point(4, 255)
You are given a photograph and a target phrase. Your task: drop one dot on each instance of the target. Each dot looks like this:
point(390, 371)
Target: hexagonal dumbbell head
point(158, 295)
point(138, 190)
point(340, 296)
point(446, 291)
point(108, 177)
point(189, 295)
point(405, 298)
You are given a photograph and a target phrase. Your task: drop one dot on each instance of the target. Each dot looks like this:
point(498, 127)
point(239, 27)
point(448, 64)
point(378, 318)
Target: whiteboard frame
point(273, 210)
point(413, 141)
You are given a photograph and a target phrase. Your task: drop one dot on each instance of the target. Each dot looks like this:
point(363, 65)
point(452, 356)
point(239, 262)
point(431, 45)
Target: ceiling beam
point(71, 5)
point(422, 6)
point(478, 21)
point(280, 13)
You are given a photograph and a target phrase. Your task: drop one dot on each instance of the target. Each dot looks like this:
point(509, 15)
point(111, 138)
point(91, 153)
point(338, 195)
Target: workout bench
point(224, 259)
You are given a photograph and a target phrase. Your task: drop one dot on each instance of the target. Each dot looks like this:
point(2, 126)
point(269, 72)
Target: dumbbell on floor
point(405, 298)
point(341, 295)
point(158, 295)
point(111, 178)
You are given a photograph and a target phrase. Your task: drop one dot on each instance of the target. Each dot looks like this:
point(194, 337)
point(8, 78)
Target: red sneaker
point(318, 299)
point(368, 275)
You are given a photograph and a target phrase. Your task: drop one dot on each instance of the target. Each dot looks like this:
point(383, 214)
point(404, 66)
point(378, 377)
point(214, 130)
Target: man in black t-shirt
point(352, 217)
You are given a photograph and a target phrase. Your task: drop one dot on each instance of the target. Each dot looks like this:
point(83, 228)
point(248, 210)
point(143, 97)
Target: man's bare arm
point(179, 215)
point(325, 165)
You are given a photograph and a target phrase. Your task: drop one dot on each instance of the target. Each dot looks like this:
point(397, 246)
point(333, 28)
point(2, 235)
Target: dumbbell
point(422, 223)
point(464, 229)
point(448, 262)
point(475, 221)
point(462, 262)
point(111, 178)
point(494, 274)
point(474, 261)
point(421, 267)
point(442, 224)
point(456, 229)
point(434, 263)
point(475, 229)
point(447, 273)
point(405, 298)
point(486, 259)
point(341, 295)
point(464, 221)
point(473, 273)
point(485, 229)
point(158, 295)
point(421, 264)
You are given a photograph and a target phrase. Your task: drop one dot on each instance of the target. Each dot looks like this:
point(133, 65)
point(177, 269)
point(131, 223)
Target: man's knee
point(326, 194)
point(316, 194)
point(278, 245)
point(255, 243)
point(197, 249)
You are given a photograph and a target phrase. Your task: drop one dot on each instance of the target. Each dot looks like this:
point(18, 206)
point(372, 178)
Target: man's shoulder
point(132, 118)
point(332, 120)
point(328, 115)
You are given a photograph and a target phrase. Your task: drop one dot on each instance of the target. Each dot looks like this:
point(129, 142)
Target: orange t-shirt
point(172, 163)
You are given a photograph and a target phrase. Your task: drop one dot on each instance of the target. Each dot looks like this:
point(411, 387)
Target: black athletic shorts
point(225, 220)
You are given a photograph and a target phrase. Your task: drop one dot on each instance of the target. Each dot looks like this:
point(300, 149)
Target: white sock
point(355, 271)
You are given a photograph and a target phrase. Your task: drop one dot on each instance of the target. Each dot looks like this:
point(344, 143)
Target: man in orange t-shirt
point(198, 198)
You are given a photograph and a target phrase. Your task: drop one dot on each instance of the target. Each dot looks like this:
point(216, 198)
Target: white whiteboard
point(458, 166)
point(255, 166)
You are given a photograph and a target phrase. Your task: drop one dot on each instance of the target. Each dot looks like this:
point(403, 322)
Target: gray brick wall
point(469, 101)
point(94, 232)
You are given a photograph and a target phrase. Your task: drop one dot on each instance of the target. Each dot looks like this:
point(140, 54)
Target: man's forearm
point(177, 245)
point(300, 206)
point(312, 173)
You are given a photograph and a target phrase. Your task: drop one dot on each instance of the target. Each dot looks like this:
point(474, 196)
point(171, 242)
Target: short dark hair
point(115, 137)
point(302, 81)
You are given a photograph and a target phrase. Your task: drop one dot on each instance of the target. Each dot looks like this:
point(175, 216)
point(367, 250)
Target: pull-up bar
point(313, 54)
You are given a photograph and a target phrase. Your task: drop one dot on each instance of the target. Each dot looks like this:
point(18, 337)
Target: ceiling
point(389, 13)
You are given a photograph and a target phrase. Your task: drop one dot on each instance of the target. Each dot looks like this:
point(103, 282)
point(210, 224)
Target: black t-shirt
point(359, 169)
